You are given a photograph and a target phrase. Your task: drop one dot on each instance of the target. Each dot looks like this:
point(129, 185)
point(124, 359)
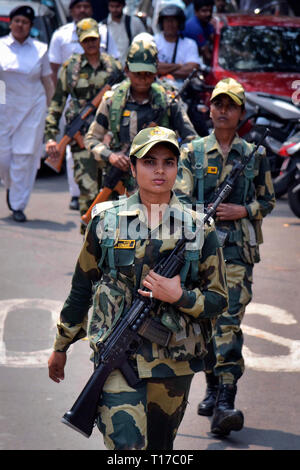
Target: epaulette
point(104, 206)
point(108, 94)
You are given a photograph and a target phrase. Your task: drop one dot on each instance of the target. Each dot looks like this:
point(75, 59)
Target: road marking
point(31, 358)
point(284, 363)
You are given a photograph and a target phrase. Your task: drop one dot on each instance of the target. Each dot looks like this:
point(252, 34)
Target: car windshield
point(260, 48)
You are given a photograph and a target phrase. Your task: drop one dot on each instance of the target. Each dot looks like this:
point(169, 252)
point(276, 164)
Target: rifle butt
point(81, 417)
point(102, 197)
point(55, 165)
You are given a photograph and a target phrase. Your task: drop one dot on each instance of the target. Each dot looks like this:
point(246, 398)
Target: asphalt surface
point(37, 260)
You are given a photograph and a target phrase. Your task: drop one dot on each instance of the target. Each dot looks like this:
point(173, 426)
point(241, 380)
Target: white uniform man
point(63, 44)
point(25, 71)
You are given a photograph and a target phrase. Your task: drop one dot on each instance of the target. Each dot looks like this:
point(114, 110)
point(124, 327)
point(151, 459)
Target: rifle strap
point(198, 145)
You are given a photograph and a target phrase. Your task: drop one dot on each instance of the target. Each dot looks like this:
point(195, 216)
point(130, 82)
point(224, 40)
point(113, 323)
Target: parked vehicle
point(49, 16)
point(261, 52)
point(281, 117)
point(288, 181)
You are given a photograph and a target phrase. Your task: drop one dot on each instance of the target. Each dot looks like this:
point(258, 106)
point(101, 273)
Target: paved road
point(38, 259)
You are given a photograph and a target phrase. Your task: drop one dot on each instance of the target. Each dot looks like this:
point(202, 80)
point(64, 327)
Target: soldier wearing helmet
point(138, 102)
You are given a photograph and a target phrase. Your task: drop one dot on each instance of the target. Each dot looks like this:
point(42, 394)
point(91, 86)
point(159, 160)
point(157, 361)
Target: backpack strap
point(128, 28)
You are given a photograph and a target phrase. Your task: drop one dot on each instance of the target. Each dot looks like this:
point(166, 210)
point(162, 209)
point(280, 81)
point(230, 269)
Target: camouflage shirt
point(254, 190)
point(94, 281)
point(81, 82)
point(134, 117)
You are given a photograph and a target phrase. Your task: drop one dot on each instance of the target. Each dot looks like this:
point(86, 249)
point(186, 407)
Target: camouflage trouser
point(225, 352)
point(86, 175)
point(145, 417)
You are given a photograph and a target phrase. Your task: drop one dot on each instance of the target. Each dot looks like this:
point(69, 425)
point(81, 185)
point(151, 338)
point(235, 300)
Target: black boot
point(206, 406)
point(226, 418)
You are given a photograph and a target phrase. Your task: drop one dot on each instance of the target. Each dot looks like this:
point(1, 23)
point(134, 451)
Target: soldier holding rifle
point(123, 242)
point(204, 166)
point(136, 103)
point(81, 77)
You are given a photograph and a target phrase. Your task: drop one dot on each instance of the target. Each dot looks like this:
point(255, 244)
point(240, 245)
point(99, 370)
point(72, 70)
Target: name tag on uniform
point(126, 113)
point(213, 170)
point(125, 244)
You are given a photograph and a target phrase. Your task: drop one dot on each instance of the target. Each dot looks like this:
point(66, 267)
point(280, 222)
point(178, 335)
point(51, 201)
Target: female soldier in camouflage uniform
point(204, 165)
point(123, 243)
point(81, 77)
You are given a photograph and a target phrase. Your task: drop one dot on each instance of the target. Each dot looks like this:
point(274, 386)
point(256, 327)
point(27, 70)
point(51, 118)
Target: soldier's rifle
point(125, 339)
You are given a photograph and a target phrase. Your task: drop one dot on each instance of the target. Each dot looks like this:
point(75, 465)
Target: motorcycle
point(195, 94)
point(281, 117)
point(289, 177)
point(290, 151)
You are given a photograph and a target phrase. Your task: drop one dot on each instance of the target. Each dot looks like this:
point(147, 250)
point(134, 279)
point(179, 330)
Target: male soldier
point(81, 77)
point(64, 42)
point(123, 243)
point(134, 104)
point(204, 165)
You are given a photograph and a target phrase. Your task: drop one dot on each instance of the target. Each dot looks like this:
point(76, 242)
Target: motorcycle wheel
point(294, 198)
point(281, 184)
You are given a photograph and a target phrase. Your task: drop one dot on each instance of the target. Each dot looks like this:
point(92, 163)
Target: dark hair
point(202, 3)
point(117, 1)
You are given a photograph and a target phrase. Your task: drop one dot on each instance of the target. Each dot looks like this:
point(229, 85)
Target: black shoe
point(207, 405)
point(7, 200)
point(19, 216)
point(74, 204)
point(226, 418)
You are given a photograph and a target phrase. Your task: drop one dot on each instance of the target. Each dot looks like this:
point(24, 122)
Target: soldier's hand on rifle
point(120, 160)
point(56, 365)
point(162, 288)
point(52, 149)
point(229, 211)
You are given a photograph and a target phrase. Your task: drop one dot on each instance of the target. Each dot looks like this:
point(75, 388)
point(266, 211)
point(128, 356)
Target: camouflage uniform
point(123, 117)
point(200, 173)
point(110, 269)
point(79, 81)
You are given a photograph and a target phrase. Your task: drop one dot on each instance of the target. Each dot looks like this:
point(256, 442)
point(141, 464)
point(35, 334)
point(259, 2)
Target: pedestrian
point(138, 102)
point(64, 42)
point(203, 167)
point(200, 28)
point(177, 56)
point(80, 79)
point(146, 416)
point(121, 27)
point(26, 73)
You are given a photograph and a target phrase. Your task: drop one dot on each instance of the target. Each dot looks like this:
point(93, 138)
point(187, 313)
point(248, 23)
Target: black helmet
point(172, 10)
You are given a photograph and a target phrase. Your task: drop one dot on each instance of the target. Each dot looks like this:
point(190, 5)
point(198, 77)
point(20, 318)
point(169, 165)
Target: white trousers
point(73, 186)
point(18, 173)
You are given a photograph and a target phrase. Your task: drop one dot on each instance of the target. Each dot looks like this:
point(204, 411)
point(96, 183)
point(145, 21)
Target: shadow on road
point(39, 224)
point(266, 439)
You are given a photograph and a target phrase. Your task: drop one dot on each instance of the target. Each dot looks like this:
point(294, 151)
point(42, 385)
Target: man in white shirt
point(177, 56)
point(63, 44)
point(122, 28)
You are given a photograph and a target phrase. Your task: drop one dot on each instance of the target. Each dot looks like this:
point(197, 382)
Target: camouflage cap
point(142, 56)
point(87, 28)
point(232, 88)
point(147, 138)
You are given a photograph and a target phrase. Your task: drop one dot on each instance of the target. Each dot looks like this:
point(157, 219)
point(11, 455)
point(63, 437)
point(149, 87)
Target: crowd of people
point(142, 129)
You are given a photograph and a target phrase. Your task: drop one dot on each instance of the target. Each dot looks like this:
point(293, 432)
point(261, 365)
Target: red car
point(261, 52)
